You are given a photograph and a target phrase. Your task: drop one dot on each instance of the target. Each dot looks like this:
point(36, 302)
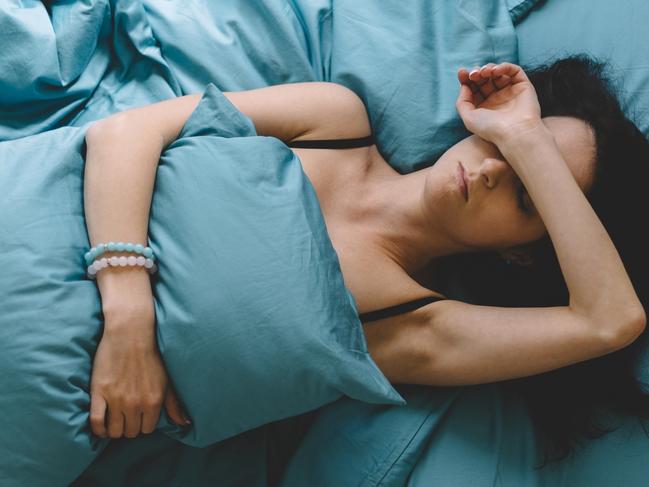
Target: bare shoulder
point(340, 114)
point(288, 111)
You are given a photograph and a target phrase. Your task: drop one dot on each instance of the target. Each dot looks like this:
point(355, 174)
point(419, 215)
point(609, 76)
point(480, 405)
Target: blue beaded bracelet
point(99, 249)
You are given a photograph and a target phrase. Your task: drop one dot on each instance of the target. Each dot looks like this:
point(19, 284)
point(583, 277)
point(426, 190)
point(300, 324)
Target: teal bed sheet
point(73, 62)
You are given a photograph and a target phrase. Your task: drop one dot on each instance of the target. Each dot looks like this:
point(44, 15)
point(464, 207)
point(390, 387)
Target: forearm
point(120, 169)
point(594, 273)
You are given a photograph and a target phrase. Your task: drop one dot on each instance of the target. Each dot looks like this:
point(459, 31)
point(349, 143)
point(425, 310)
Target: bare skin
point(373, 212)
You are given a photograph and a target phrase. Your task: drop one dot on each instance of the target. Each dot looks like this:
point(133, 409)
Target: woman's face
point(499, 214)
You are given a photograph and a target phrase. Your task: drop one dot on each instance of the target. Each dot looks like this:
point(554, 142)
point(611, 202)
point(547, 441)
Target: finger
point(487, 88)
point(115, 420)
point(465, 97)
point(514, 71)
point(502, 81)
point(150, 418)
point(463, 75)
point(173, 407)
point(486, 70)
point(464, 103)
point(476, 77)
point(479, 98)
point(482, 75)
point(133, 423)
point(97, 414)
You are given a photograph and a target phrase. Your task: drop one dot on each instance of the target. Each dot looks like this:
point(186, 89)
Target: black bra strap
point(333, 143)
point(398, 309)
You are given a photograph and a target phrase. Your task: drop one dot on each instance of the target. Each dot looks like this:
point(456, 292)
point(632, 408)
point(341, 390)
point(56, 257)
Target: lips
point(461, 181)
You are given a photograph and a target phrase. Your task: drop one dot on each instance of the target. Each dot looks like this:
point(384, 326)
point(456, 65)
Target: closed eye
point(520, 193)
point(520, 188)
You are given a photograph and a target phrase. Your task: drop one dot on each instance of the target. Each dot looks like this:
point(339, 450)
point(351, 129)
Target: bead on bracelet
point(100, 248)
point(121, 261)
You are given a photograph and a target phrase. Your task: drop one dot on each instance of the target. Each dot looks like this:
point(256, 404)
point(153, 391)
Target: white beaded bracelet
point(121, 261)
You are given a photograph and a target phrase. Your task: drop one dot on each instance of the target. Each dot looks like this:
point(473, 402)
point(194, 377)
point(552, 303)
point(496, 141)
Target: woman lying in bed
point(518, 179)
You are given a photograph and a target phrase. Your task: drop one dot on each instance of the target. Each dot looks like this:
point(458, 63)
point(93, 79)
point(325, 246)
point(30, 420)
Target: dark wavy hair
point(564, 403)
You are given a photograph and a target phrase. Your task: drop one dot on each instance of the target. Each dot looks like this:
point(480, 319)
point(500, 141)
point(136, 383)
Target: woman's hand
point(497, 102)
point(129, 381)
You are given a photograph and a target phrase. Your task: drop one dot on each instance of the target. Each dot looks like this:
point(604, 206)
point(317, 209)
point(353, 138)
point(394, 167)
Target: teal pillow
point(255, 322)
point(401, 60)
point(518, 9)
point(253, 319)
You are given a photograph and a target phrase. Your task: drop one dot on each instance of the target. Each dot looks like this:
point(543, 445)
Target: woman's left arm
point(508, 114)
point(595, 275)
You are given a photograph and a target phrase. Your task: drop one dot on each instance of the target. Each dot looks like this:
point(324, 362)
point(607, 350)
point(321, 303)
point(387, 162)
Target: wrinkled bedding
point(68, 64)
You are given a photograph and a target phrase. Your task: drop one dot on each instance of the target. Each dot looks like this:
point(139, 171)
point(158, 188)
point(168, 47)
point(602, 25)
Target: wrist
point(524, 138)
point(130, 317)
point(123, 281)
point(135, 332)
point(124, 291)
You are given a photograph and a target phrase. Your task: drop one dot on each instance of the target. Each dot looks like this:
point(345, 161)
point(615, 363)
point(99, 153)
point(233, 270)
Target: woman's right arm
point(129, 382)
point(122, 156)
point(124, 150)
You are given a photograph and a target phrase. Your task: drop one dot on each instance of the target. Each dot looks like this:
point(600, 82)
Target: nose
point(492, 170)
